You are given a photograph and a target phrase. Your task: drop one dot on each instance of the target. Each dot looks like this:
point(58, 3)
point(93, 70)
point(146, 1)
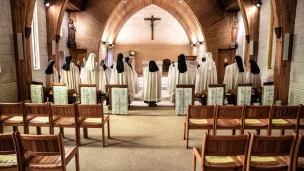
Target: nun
point(51, 74)
point(90, 71)
point(122, 75)
point(70, 74)
point(253, 75)
point(152, 84)
point(107, 70)
point(178, 75)
point(135, 75)
point(206, 74)
point(82, 70)
point(234, 73)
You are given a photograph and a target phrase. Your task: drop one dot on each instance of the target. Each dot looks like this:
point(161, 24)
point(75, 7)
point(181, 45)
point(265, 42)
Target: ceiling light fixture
point(48, 3)
point(180, 1)
point(259, 3)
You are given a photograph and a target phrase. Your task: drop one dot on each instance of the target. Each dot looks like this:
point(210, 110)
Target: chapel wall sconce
point(48, 3)
point(259, 3)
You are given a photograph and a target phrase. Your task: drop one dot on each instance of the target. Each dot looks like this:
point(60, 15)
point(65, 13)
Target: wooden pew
point(211, 156)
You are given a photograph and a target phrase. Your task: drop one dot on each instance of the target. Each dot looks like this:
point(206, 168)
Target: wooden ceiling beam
point(229, 5)
point(76, 5)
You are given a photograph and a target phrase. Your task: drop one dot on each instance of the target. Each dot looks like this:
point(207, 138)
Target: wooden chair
point(216, 94)
point(284, 117)
point(67, 118)
point(228, 117)
point(37, 92)
point(271, 153)
point(198, 117)
point(60, 93)
point(256, 117)
point(110, 92)
point(298, 157)
point(86, 97)
point(12, 114)
point(267, 93)
point(222, 153)
point(44, 152)
point(8, 158)
point(301, 119)
point(42, 116)
point(93, 117)
point(244, 92)
point(184, 96)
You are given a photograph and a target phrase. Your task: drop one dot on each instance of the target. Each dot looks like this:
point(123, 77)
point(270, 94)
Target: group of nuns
point(123, 73)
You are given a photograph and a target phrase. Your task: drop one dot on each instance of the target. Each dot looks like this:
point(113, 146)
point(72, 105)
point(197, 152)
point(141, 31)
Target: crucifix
point(152, 19)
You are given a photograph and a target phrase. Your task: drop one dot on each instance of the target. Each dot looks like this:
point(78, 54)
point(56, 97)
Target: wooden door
point(222, 54)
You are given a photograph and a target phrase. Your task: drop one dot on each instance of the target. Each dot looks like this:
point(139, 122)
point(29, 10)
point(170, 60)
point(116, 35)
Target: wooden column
point(251, 16)
point(284, 12)
point(54, 16)
point(22, 16)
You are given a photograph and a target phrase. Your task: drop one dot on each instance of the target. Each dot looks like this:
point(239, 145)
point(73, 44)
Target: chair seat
point(8, 161)
point(66, 121)
point(2, 118)
point(256, 122)
point(228, 123)
point(41, 120)
point(200, 122)
point(301, 162)
point(16, 119)
point(279, 163)
point(284, 122)
point(50, 161)
point(93, 121)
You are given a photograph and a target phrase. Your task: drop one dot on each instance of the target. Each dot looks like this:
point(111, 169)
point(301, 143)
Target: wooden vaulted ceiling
point(181, 11)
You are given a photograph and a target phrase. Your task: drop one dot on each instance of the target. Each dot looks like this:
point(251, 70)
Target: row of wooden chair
point(243, 117)
point(250, 152)
point(49, 115)
point(35, 152)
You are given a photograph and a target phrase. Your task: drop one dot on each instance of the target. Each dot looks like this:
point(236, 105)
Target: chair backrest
point(184, 96)
point(37, 109)
point(272, 145)
point(257, 112)
point(7, 144)
point(298, 151)
point(267, 94)
point(37, 93)
point(11, 109)
point(201, 112)
point(94, 111)
point(229, 112)
point(235, 145)
point(88, 93)
point(285, 112)
point(216, 94)
point(110, 87)
point(63, 110)
point(244, 94)
point(60, 92)
point(39, 145)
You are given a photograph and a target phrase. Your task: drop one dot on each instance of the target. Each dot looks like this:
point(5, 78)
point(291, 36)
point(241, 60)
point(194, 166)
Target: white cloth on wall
point(151, 85)
point(233, 77)
point(51, 78)
point(175, 78)
point(124, 78)
point(71, 77)
point(255, 79)
point(206, 74)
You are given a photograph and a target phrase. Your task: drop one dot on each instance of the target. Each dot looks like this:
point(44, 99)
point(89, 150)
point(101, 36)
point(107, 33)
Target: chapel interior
point(139, 85)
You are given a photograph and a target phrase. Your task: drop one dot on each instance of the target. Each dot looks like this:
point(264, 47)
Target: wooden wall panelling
point(54, 16)
point(284, 17)
point(22, 15)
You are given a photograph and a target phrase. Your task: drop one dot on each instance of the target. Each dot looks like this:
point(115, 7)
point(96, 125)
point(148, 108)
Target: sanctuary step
point(164, 82)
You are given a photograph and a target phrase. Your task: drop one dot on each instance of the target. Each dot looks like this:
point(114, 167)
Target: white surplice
point(101, 80)
point(255, 79)
point(124, 78)
point(175, 78)
point(90, 71)
point(151, 85)
point(71, 77)
point(233, 77)
point(135, 80)
point(108, 74)
point(51, 78)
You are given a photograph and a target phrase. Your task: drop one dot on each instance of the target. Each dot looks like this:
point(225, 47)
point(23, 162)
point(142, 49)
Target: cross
point(152, 19)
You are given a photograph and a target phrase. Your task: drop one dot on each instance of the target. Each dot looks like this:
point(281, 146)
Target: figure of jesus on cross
point(152, 19)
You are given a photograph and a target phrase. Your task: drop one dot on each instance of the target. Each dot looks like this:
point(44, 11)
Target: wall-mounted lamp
point(199, 43)
point(180, 1)
point(111, 45)
point(259, 3)
point(124, 1)
point(48, 3)
point(193, 44)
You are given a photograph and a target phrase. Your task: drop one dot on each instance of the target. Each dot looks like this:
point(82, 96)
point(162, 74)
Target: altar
point(158, 63)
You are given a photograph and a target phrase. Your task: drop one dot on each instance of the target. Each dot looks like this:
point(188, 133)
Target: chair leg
point(233, 132)
point(15, 128)
point(282, 131)
point(187, 135)
point(103, 136)
point(193, 162)
point(62, 131)
point(38, 130)
point(77, 133)
point(1, 128)
point(184, 130)
point(258, 131)
point(85, 133)
point(208, 131)
point(77, 160)
point(109, 136)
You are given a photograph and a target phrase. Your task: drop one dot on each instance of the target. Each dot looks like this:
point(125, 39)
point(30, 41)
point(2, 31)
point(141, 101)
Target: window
point(35, 40)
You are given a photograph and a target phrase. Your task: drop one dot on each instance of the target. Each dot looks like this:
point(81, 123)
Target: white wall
point(296, 91)
point(38, 75)
point(266, 74)
point(8, 85)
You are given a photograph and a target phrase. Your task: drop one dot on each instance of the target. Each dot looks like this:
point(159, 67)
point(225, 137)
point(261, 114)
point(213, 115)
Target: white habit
point(90, 71)
point(233, 77)
point(51, 78)
point(71, 77)
point(255, 79)
point(151, 85)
